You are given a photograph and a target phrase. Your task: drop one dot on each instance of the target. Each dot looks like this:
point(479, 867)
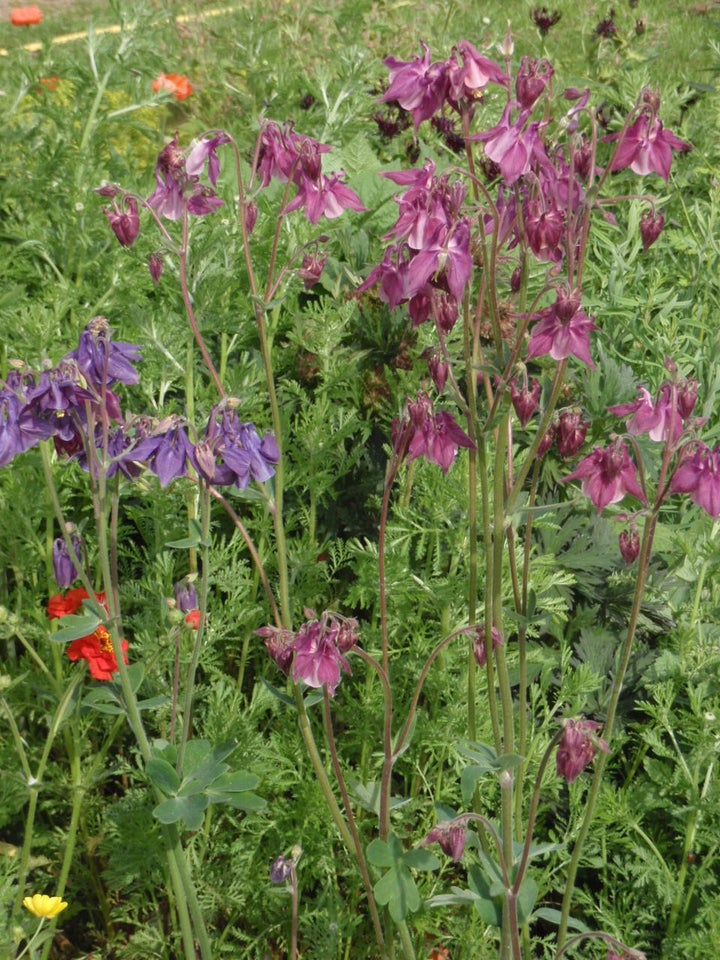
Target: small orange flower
point(174, 83)
point(49, 83)
point(25, 16)
point(440, 953)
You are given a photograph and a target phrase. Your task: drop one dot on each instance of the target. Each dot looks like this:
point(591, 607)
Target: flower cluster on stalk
point(316, 653)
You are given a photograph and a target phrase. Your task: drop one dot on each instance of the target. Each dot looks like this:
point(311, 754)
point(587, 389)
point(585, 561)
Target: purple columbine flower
point(232, 451)
point(66, 564)
point(450, 835)
point(311, 269)
point(468, 81)
point(102, 361)
point(699, 475)
point(578, 747)
point(177, 190)
point(514, 146)
point(608, 475)
point(278, 643)
point(531, 80)
point(205, 151)
point(418, 85)
point(166, 451)
point(563, 330)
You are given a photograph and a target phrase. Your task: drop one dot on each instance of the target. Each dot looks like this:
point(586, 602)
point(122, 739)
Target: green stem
point(600, 760)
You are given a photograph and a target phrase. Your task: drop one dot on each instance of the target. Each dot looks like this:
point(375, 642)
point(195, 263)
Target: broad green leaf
point(554, 916)
point(421, 859)
point(527, 895)
point(73, 627)
point(188, 809)
point(380, 854)
point(235, 781)
point(163, 775)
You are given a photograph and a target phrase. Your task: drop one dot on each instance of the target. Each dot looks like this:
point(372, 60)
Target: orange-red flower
point(174, 83)
point(49, 83)
point(25, 16)
point(96, 647)
point(193, 619)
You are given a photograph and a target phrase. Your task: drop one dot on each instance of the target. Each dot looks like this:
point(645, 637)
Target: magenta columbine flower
point(608, 475)
point(451, 837)
point(531, 80)
point(514, 146)
point(563, 330)
point(578, 747)
point(660, 418)
point(646, 146)
point(311, 269)
point(418, 85)
point(423, 433)
point(699, 475)
point(177, 190)
point(319, 647)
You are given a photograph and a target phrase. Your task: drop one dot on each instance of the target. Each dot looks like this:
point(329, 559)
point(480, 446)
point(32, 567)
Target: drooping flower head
point(563, 330)
point(424, 433)
point(699, 475)
point(450, 835)
point(578, 747)
point(659, 418)
point(646, 147)
point(608, 475)
point(66, 563)
point(104, 361)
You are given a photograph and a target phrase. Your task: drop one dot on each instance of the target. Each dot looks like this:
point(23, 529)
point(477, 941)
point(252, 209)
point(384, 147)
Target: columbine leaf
point(73, 627)
point(188, 809)
point(163, 775)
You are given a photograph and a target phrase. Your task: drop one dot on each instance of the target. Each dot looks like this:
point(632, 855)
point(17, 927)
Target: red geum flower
point(175, 83)
point(193, 619)
point(577, 748)
point(26, 16)
point(62, 606)
point(97, 650)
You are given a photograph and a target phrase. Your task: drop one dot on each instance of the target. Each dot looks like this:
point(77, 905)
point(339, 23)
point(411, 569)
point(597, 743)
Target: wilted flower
point(41, 905)
point(451, 837)
point(608, 475)
point(174, 83)
point(544, 20)
point(280, 869)
point(278, 642)
point(577, 748)
point(155, 266)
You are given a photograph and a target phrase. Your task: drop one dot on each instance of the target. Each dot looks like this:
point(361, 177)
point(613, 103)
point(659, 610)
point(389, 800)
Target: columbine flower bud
point(186, 595)
point(629, 541)
point(251, 214)
point(450, 836)
point(571, 433)
point(651, 226)
point(437, 368)
point(155, 266)
point(687, 398)
point(65, 564)
point(280, 870)
point(524, 400)
point(577, 748)
point(125, 225)
point(479, 645)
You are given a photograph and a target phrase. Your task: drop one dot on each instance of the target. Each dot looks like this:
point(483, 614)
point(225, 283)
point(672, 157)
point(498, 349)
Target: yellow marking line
point(72, 37)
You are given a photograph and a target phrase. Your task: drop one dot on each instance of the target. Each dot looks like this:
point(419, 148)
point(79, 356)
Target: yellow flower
point(43, 906)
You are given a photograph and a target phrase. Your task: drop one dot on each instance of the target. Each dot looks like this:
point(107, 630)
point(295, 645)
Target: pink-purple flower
point(699, 475)
point(578, 747)
point(659, 418)
point(424, 433)
point(646, 147)
point(563, 330)
point(608, 475)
